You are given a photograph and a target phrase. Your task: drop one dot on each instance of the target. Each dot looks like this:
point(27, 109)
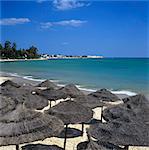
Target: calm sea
point(118, 74)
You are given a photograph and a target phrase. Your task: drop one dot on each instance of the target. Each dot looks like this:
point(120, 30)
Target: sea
point(120, 75)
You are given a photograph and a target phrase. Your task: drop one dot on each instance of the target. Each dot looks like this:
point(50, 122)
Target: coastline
point(31, 80)
point(49, 58)
point(14, 60)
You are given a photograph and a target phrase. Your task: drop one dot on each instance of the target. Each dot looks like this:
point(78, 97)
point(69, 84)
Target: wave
point(33, 79)
point(129, 93)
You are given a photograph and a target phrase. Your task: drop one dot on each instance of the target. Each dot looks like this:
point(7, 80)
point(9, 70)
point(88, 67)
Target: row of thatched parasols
point(20, 123)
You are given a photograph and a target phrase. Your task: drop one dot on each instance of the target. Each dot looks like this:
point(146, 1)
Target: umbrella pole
point(17, 147)
point(126, 147)
point(101, 113)
point(65, 136)
point(82, 128)
point(50, 104)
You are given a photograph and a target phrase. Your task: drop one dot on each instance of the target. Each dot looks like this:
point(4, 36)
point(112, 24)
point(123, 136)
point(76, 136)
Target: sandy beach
point(71, 142)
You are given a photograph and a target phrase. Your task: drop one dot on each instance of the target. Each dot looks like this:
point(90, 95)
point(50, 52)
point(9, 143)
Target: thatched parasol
point(89, 101)
point(119, 133)
point(41, 147)
point(47, 84)
point(23, 125)
point(35, 102)
point(7, 104)
point(52, 94)
point(128, 123)
point(71, 90)
point(71, 112)
point(105, 95)
point(135, 108)
point(9, 83)
point(25, 96)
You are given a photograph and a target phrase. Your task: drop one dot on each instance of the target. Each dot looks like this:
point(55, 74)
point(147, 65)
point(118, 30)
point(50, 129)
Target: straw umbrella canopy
point(128, 123)
point(89, 101)
point(120, 133)
point(25, 96)
point(52, 94)
point(23, 125)
point(71, 112)
point(9, 83)
point(41, 147)
point(105, 95)
point(71, 90)
point(47, 84)
point(7, 104)
point(135, 108)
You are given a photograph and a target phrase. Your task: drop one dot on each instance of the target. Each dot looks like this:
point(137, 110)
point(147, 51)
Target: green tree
point(32, 52)
point(13, 50)
point(1, 51)
point(7, 45)
point(14, 46)
point(1, 47)
point(7, 49)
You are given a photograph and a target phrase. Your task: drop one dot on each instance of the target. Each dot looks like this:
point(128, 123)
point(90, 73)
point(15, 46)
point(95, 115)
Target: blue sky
point(111, 29)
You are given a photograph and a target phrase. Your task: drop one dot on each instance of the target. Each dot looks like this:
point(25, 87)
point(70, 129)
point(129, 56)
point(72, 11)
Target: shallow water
point(124, 75)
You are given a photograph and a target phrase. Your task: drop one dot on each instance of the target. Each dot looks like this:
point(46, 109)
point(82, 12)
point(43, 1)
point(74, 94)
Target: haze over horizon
point(71, 27)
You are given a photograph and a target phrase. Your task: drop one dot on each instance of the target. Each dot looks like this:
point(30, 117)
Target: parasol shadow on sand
point(91, 144)
point(71, 112)
point(41, 147)
point(127, 123)
point(21, 125)
point(97, 145)
point(71, 133)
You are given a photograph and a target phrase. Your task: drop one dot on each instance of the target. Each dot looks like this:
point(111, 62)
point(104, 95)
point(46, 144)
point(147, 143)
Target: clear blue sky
point(111, 29)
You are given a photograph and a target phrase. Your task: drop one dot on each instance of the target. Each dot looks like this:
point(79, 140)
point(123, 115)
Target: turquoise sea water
point(118, 74)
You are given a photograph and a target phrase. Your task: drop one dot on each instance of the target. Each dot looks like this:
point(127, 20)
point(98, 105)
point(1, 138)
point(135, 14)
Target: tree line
point(9, 51)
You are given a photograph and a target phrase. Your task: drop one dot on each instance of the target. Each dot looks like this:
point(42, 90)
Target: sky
point(71, 27)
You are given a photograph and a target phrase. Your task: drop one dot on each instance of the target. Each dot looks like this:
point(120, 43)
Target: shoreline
point(16, 60)
point(29, 79)
point(52, 58)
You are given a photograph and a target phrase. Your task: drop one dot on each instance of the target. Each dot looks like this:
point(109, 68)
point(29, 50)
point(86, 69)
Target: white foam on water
point(129, 93)
point(33, 79)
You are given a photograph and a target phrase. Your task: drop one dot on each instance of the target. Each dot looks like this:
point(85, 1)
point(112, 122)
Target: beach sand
point(71, 142)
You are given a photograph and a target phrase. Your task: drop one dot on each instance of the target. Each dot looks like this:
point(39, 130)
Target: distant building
point(56, 56)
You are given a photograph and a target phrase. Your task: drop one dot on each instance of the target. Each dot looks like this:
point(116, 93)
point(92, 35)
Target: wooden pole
point(17, 147)
point(82, 128)
point(65, 136)
point(50, 104)
point(101, 113)
point(126, 147)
